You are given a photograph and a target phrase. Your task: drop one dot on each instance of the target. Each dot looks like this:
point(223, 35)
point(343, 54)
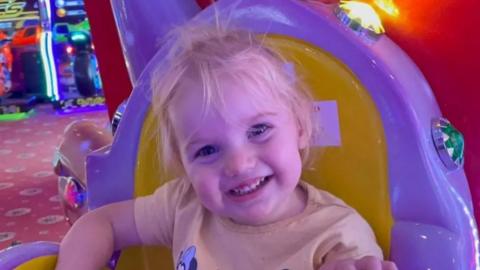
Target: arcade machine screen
point(79, 83)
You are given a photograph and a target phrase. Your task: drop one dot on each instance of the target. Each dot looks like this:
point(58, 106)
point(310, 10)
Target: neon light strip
point(49, 14)
point(16, 116)
point(33, 17)
point(48, 62)
point(50, 52)
point(45, 62)
point(53, 68)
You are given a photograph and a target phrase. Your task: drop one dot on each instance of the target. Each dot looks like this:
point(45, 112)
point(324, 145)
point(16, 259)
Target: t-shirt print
point(187, 260)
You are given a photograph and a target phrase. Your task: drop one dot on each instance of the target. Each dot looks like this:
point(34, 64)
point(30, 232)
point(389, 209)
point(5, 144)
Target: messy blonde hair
point(211, 52)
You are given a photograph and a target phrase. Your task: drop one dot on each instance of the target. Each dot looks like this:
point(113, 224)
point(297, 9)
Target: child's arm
point(365, 263)
point(89, 244)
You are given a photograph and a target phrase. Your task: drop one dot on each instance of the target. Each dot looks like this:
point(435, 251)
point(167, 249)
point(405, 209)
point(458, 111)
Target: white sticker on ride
point(326, 117)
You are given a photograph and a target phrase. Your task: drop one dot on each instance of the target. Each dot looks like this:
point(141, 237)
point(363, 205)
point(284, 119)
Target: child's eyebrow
point(258, 116)
point(192, 142)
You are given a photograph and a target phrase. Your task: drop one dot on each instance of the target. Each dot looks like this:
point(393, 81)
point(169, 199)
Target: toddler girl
point(235, 125)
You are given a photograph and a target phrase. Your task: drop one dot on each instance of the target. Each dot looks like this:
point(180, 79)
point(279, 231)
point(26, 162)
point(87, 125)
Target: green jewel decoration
point(449, 143)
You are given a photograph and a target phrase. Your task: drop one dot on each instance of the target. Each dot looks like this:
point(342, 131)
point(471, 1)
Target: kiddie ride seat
point(386, 150)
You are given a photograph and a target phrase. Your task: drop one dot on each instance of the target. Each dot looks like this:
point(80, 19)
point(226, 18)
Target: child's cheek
point(205, 180)
point(283, 156)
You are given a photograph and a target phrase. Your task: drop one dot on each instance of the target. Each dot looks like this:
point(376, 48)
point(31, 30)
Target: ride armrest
point(36, 255)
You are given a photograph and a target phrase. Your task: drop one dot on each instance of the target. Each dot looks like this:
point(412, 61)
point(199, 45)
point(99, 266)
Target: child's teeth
point(249, 188)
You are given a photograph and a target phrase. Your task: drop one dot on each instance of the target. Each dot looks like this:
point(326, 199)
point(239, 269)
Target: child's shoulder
point(333, 211)
point(322, 198)
point(173, 190)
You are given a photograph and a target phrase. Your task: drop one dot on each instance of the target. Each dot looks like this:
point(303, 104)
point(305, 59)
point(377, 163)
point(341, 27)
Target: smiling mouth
point(241, 191)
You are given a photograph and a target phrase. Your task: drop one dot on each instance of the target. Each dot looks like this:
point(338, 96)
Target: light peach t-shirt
point(326, 230)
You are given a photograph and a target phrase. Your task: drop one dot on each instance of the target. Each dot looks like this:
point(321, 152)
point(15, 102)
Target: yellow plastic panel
point(43, 263)
point(39, 263)
point(148, 176)
point(145, 258)
point(357, 170)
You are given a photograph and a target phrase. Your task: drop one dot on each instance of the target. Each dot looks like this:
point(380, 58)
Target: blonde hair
point(211, 52)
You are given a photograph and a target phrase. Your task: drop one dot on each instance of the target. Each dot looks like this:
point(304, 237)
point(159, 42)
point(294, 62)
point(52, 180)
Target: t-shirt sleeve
point(155, 214)
point(353, 238)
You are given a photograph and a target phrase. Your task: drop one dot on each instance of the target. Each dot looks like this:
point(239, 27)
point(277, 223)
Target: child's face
point(247, 167)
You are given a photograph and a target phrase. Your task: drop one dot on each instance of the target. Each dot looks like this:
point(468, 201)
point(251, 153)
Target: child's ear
point(302, 139)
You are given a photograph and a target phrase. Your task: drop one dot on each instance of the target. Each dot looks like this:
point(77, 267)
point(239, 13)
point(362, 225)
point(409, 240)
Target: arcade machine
point(22, 75)
point(78, 81)
point(5, 63)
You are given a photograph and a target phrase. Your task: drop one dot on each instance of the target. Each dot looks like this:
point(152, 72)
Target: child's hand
point(365, 263)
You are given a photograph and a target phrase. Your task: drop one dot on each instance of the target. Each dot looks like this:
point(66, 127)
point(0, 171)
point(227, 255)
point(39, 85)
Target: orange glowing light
point(363, 14)
point(61, 12)
point(388, 6)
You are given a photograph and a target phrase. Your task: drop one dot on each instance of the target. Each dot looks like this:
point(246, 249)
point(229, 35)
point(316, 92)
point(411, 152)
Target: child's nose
point(239, 162)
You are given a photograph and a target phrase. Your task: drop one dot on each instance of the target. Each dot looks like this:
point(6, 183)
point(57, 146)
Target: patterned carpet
point(29, 204)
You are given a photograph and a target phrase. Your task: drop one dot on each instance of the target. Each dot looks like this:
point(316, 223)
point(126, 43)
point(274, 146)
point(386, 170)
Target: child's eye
point(258, 130)
point(205, 151)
